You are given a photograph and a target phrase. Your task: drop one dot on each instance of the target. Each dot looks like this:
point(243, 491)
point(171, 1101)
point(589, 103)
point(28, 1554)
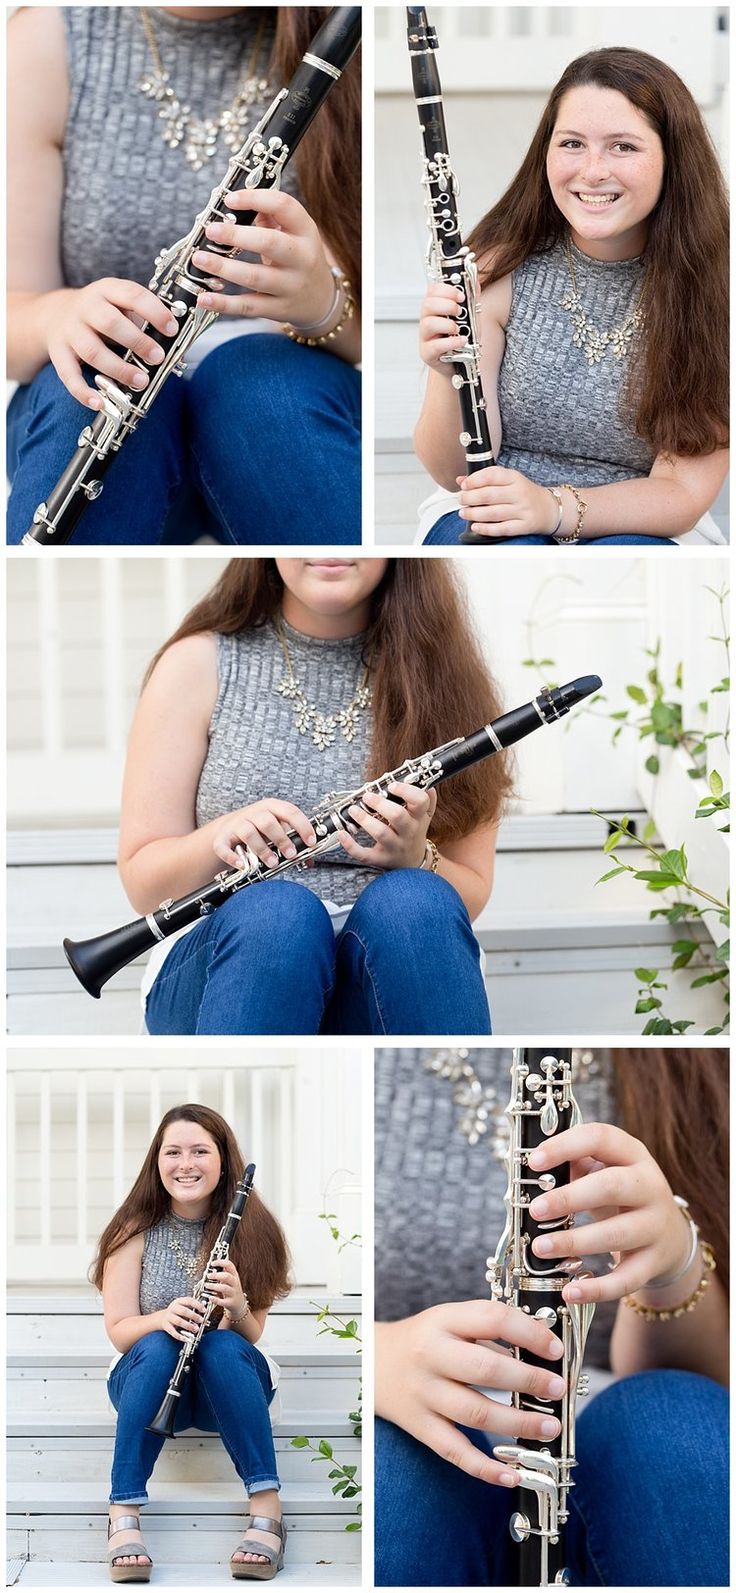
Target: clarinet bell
point(163, 1422)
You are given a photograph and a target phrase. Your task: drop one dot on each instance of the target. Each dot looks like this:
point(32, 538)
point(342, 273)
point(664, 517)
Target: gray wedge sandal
point(127, 1573)
point(255, 1570)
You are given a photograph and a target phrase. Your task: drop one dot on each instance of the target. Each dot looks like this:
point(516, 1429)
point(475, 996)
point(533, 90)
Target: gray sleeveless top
point(126, 194)
point(164, 1277)
point(256, 751)
point(563, 419)
point(439, 1200)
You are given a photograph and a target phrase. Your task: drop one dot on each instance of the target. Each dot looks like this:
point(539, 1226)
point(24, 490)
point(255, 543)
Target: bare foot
point(127, 1535)
point(258, 1509)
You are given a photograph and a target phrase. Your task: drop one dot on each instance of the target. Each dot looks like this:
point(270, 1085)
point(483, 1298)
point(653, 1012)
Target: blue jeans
point(228, 1391)
point(262, 445)
point(268, 962)
point(446, 533)
point(649, 1507)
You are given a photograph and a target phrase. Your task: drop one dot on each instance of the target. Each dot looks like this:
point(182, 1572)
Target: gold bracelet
point(573, 536)
point(654, 1313)
point(312, 336)
point(431, 859)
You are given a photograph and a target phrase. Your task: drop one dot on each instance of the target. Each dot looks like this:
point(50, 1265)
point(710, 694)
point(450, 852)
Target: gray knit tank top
point(127, 194)
point(255, 749)
point(563, 419)
point(164, 1275)
point(439, 1200)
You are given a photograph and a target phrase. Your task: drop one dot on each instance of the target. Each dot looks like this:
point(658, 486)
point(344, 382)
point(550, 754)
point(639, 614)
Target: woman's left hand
point(502, 503)
point(614, 1177)
point(225, 1286)
point(399, 829)
point(292, 281)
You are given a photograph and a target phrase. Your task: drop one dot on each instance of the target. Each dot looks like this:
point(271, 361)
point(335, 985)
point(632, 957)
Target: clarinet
point(178, 283)
point(95, 961)
point(542, 1104)
point(448, 258)
point(163, 1421)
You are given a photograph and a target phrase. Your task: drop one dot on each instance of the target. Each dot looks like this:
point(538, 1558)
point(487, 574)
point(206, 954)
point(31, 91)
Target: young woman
point(649, 1506)
point(122, 119)
point(293, 678)
point(604, 270)
point(150, 1256)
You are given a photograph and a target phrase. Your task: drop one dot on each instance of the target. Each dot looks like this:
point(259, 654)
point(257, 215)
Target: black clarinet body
point(178, 282)
point(95, 961)
point(448, 259)
point(542, 1104)
point(163, 1422)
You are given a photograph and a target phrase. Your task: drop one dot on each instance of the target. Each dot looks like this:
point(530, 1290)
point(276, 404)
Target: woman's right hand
point(183, 1316)
point(438, 333)
point(429, 1368)
point(105, 312)
point(263, 826)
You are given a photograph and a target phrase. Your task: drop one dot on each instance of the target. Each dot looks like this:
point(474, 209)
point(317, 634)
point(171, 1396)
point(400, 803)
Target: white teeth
point(597, 199)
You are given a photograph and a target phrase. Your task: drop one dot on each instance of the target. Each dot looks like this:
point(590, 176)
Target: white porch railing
point(78, 1132)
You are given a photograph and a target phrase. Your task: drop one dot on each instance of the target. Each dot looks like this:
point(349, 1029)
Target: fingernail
point(508, 1478)
point(290, 851)
point(200, 258)
point(536, 1158)
point(214, 230)
point(139, 379)
point(172, 326)
point(205, 298)
point(549, 1427)
point(573, 1293)
point(542, 1247)
point(556, 1347)
point(539, 1208)
point(312, 838)
point(156, 356)
point(556, 1386)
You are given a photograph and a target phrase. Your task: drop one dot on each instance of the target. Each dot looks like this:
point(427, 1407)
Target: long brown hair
point(328, 160)
point(677, 386)
point(429, 677)
point(258, 1251)
point(677, 1103)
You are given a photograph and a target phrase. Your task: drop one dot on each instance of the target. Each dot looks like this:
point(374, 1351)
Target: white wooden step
point(47, 1328)
point(56, 1574)
point(205, 1537)
point(79, 1393)
point(184, 1461)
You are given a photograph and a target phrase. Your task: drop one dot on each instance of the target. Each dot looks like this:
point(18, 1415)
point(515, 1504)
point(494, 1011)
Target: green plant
point(343, 1477)
point(654, 712)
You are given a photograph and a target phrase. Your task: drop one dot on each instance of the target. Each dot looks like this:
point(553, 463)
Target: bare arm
point(668, 502)
point(469, 865)
point(161, 851)
point(38, 95)
point(124, 1323)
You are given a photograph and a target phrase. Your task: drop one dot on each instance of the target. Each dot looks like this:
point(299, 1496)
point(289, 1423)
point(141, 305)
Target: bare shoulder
point(496, 296)
point(189, 666)
point(38, 79)
point(128, 1253)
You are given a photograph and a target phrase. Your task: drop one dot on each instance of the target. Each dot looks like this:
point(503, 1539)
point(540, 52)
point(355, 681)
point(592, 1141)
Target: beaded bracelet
point(654, 1313)
point(341, 308)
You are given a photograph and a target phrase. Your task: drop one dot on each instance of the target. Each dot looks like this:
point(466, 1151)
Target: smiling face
point(329, 597)
point(189, 1167)
point(605, 168)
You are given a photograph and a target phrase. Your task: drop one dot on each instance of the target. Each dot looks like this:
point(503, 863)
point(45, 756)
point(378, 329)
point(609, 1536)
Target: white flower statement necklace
point(200, 135)
point(308, 718)
point(483, 1117)
point(594, 343)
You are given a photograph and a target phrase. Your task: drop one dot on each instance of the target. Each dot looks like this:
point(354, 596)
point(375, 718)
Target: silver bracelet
point(558, 500)
point(325, 325)
point(243, 1314)
point(674, 1277)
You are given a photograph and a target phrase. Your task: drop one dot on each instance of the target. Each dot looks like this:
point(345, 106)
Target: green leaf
point(716, 783)
point(674, 862)
point(612, 872)
point(612, 840)
point(350, 1470)
point(300, 1443)
point(353, 1526)
point(637, 694)
point(325, 1448)
point(723, 951)
point(657, 882)
point(652, 764)
point(647, 1004)
point(709, 979)
point(650, 830)
point(646, 976)
point(350, 1493)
